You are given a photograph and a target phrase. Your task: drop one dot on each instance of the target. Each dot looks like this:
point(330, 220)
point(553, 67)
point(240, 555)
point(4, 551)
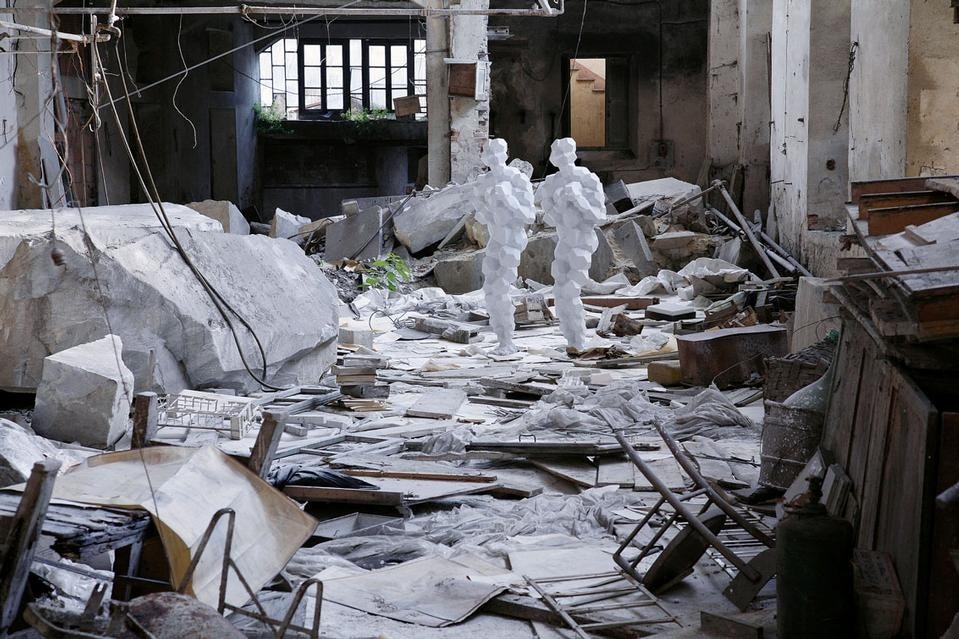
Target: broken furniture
point(601, 592)
point(18, 540)
point(200, 410)
point(729, 356)
point(700, 532)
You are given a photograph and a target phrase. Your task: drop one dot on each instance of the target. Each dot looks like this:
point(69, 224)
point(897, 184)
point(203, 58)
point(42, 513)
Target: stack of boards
point(356, 377)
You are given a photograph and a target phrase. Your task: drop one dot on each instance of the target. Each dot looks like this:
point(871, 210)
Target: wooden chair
point(18, 539)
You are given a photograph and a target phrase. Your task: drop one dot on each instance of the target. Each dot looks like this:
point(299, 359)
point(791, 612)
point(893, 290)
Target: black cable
point(153, 199)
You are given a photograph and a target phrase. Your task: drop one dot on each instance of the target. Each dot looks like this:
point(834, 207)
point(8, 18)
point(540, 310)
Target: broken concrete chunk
point(618, 195)
point(461, 272)
point(287, 225)
point(173, 335)
point(224, 212)
point(85, 394)
point(361, 236)
point(19, 451)
point(426, 220)
point(632, 243)
point(666, 373)
point(673, 240)
point(668, 188)
point(356, 336)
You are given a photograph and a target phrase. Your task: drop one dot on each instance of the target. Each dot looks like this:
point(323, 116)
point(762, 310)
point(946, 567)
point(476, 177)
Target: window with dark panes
point(315, 77)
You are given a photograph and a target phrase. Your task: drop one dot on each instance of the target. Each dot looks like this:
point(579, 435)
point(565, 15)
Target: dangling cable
point(186, 72)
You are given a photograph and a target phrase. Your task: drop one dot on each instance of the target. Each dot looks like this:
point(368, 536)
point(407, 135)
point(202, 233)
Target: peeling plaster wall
point(878, 89)
point(933, 94)
point(469, 118)
point(528, 83)
point(724, 82)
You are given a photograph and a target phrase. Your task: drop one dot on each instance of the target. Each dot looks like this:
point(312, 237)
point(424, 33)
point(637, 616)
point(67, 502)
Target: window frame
point(314, 113)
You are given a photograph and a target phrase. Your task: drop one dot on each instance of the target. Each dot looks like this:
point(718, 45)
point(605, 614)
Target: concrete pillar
point(469, 118)
point(33, 85)
point(437, 96)
point(755, 24)
point(827, 162)
point(724, 82)
point(878, 89)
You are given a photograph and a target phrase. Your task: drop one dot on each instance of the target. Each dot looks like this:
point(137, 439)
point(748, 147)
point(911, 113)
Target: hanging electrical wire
point(176, 107)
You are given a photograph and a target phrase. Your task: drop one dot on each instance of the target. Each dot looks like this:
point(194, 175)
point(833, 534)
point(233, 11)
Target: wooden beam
point(145, 416)
point(20, 542)
point(271, 430)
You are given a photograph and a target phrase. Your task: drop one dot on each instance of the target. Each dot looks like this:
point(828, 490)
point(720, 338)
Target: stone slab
point(346, 238)
point(426, 220)
point(85, 394)
point(460, 273)
point(633, 246)
point(224, 212)
point(729, 356)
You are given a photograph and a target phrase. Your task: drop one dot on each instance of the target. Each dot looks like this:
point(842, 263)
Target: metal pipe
point(303, 11)
point(60, 35)
point(747, 229)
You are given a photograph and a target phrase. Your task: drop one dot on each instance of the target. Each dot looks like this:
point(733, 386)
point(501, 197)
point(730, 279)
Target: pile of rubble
point(370, 455)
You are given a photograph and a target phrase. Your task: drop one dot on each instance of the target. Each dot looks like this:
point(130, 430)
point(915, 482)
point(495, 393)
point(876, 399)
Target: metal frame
point(632, 586)
point(683, 513)
point(545, 11)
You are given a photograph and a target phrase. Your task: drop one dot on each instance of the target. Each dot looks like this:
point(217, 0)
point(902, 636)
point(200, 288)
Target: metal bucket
point(790, 438)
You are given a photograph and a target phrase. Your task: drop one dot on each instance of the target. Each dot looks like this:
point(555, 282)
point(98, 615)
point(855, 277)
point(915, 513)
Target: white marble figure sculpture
point(574, 203)
point(504, 203)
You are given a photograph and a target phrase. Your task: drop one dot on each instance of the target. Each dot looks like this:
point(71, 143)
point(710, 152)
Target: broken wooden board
point(612, 301)
point(572, 469)
point(393, 491)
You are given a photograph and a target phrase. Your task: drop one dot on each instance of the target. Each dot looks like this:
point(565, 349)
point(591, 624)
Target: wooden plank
point(357, 472)
point(264, 448)
point(897, 185)
point(615, 472)
point(575, 470)
point(895, 219)
point(145, 414)
point(20, 541)
point(945, 184)
point(904, 525)
point(612, 301)
point(344, 495)
point(905, 198)
point(942, 581)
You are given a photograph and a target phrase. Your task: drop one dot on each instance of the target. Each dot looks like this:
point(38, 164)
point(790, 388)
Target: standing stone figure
point(504, 203)
point(574, 203)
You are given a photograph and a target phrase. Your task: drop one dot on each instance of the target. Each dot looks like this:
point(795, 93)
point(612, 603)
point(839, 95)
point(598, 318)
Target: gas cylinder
point(814, 583)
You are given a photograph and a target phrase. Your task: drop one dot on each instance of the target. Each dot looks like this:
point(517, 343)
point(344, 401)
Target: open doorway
point(587, 101)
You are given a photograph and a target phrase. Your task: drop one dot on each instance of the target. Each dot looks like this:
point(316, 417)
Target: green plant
point(269, 119)
point(386, 272)
point(363, 116)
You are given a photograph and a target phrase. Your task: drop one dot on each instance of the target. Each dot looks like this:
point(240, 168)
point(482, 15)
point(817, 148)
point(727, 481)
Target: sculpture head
point(562, 153)
point(495, 153)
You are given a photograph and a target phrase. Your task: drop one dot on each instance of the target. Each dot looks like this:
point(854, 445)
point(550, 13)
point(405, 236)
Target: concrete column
point(827, 162)
point(469, 118)
point(437, 96)
point(724, 82)
point(755, 24)
point(878, 89)
point(33, 85)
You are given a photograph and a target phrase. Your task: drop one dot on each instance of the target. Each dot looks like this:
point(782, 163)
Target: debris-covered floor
point(431, 487)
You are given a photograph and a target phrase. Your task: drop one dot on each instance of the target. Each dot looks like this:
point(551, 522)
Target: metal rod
point(881, 274)
point(682, 509)
point(714, 495)
point(747, 229)
point(304, 11)
point(774, 248)
point(60, 35)
point(552, 603)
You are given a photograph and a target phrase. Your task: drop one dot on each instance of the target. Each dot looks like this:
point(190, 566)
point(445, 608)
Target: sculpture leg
point(497, 277)
point(569, 306)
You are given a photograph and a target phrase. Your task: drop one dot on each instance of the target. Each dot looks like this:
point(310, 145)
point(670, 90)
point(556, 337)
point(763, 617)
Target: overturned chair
point(700, 531)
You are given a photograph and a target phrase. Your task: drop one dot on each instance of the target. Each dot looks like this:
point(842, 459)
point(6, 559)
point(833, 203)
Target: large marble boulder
point(141, 290)
point(224, 212)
